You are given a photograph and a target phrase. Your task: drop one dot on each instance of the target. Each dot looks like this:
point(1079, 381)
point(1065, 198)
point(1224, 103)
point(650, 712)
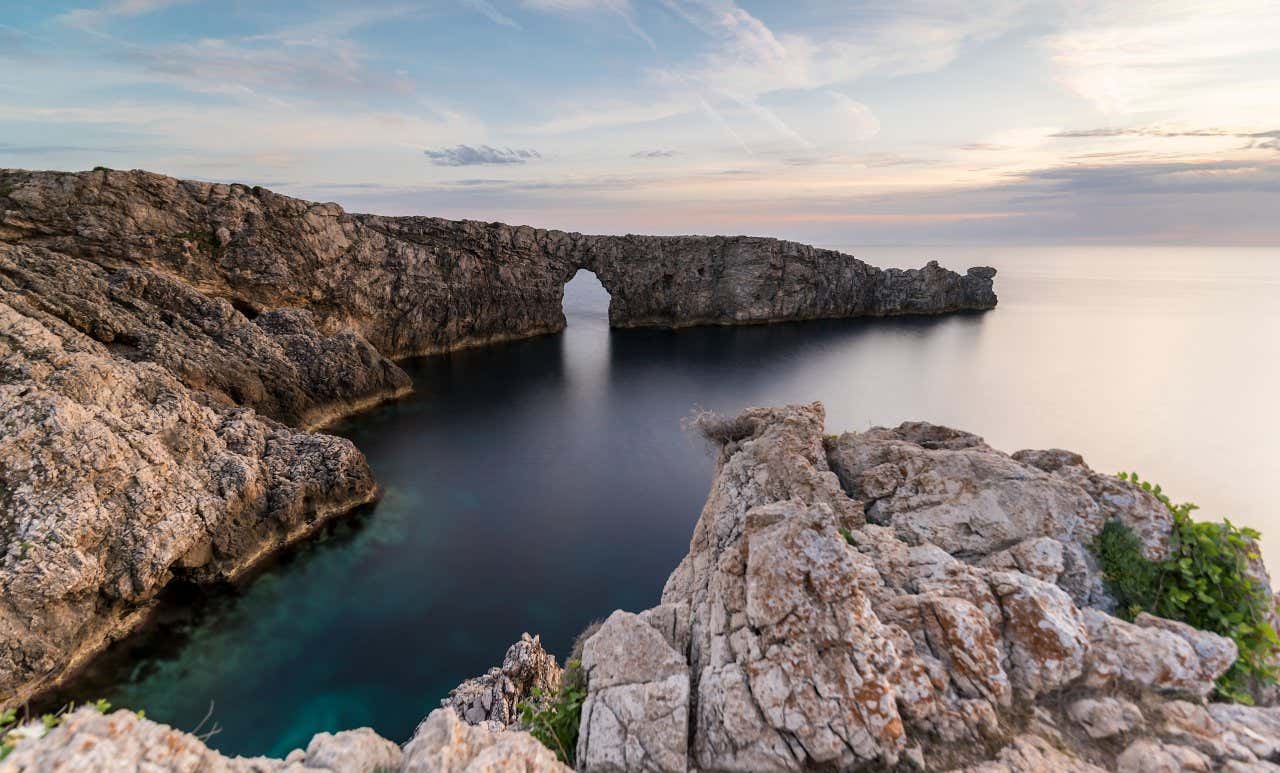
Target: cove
point(537, 485)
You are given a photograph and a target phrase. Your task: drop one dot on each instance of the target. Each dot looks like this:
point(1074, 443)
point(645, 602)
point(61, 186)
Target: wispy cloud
point(491, 12)
point(91, 18)
point(1172, 56)
point(654, 154)
point(467, 155)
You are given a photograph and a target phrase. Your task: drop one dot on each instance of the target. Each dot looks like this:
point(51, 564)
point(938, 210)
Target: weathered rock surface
point(445, 744)
point(496, 696)
point(414, 285)
point(115, 477)
point(155, 335)
point(796, 635)
point(123, 743)
point(911, 597)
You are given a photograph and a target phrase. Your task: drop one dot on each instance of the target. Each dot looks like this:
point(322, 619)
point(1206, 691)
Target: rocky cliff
point(165, 343)
point(904, 598)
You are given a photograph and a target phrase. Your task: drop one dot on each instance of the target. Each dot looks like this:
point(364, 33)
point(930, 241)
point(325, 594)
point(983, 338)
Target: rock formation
point(818, 622)
point(494, 698)
point(163, 343)
point(913, 597)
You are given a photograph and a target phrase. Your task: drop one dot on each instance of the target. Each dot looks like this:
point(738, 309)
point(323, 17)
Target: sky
point(828, 121)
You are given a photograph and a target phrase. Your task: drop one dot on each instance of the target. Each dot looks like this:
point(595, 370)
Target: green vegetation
point(554, 719)
point(12, 730)
point(1205, 582)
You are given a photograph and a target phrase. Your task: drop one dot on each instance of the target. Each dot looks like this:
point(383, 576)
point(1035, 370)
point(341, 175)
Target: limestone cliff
point(833, 613)
point(159, 339)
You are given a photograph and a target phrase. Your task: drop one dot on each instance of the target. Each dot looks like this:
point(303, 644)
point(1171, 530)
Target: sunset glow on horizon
point(829, 122)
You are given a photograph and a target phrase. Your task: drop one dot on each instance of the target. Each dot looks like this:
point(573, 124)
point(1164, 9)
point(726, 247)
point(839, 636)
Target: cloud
point(860, 123)
point(466, 155)
point(654, 154)
point(317, 58)
point(488, 10)
point(14, 43)
point(10, 149)
point(1178, 57)
point(90, 18)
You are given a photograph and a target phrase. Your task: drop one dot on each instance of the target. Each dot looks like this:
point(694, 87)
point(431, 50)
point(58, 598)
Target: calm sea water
point(538, 485)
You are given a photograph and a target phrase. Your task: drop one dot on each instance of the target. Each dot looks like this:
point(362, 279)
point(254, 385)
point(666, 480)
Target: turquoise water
point(538, 485)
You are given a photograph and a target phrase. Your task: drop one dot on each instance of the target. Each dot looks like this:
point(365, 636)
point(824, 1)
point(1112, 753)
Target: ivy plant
point(1205, 582)
point(554, 718)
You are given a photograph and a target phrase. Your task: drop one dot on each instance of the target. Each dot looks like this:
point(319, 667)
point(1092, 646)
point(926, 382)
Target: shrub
point(1205, 582)
point(719, 430)
point(554, 719)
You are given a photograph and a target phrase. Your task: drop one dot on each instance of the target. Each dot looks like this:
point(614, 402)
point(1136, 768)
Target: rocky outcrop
point(797, 634)
point(159, 339)
point(906, 597)
point(115, 478)
point(527, 671)
point(122, 742)
point(416, 285)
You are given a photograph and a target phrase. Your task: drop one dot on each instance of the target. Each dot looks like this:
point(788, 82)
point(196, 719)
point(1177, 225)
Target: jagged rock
point(636, 716)
point(796, 636)
point(1105, 717)
point(352, 751)
point(496, 696)
point(122, 742)
point(1148, 756)
point(1043, 630)
point(1032, 754)
point(141, 317)
point(1041, 557)
point(115, 477)
point(815, 639)
point(1216, 653)
point(445, 744)
point(1145, 658)
point(937, 485)
point(279, 363)
point(417, 285)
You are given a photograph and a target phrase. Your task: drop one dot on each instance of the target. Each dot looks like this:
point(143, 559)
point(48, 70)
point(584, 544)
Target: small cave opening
point(586, 302)
point(249, 311)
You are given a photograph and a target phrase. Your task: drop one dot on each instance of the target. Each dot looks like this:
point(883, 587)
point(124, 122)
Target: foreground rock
point(122, 742)
point(809, 629)
point(115, 478)
point(527, 671)
point(906, 597)
point(163, 342)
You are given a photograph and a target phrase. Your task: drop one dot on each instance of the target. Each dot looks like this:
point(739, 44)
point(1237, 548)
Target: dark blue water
point(538, 485)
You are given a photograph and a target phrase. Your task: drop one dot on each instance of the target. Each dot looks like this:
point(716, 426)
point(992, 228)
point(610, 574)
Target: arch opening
point(586, 301)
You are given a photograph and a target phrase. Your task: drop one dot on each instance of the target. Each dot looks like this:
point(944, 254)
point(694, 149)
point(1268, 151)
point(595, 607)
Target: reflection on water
point(540, 484)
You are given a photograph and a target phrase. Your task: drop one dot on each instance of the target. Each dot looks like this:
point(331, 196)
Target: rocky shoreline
point(905, 599)
point(166, 345)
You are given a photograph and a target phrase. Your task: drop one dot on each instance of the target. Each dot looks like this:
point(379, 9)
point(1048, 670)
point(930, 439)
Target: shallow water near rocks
point(538, 485)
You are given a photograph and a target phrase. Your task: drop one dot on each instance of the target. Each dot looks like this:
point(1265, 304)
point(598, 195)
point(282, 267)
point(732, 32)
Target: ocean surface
point(536, 486)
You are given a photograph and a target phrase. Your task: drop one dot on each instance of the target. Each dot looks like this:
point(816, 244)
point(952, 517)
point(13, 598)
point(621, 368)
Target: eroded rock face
point(115, 477)
point(443, 743)
point(123, 743)
point(416, 285)
point(795, 635)
point(495, 697)
point(155, 335)
point(957, 625)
